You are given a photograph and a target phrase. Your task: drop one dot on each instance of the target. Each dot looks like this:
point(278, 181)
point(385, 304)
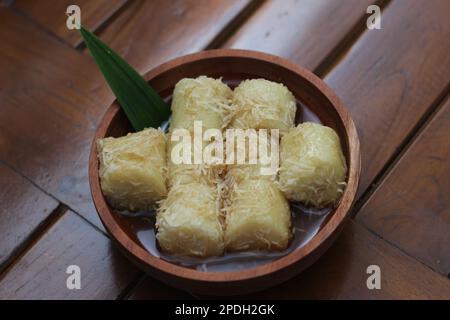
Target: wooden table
point(395, 82)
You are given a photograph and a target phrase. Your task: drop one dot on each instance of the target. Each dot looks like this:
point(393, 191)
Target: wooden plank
point(51, 15)
point(23, 210)
point(148, 33)
point(391, 77)
point(51, 104)
point(305, 31)
point(150, 289)
point(424, 43)
point(387, 79)
point(41, 272)
point(342, 273)
point(59, 95)
point(411, 207)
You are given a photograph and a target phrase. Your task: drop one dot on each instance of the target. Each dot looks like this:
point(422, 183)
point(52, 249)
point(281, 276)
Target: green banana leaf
point(140, 102)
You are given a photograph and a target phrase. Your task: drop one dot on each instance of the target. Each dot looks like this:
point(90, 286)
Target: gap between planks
point(233, 26)
point(37, 25)
point(403, 147)
point(62, 208)
point(129, 289)
point(82, 46)
point(51, 196)
point(400, 249)
point(327, 64)
point(215, 43)
point(346, 43)
point(333, 57)
point(32, 239)
point(41, 229)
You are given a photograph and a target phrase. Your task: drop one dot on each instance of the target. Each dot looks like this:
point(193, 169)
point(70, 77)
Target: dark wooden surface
point(391, 79)
point(41, 271)
point(305, 31)
point(24, 210)
point(51, 15)
point(421, 227)
point(151, 32)
point(395, 82)
point(341, 273)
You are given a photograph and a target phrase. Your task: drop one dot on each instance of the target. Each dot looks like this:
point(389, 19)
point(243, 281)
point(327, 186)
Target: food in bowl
point(263, 104)
point(201, 99)
point(132, 169)
point(313, 168)
point(258, 217)
point(207, 101)
point(213, 209)
point(188, 221)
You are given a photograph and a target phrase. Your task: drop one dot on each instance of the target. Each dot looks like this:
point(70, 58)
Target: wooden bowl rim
point(332, 225)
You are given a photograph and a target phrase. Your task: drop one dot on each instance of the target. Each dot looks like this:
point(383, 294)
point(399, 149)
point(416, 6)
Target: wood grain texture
point(341, 273)
point(23, 208)
point(59, 94)
point(411, 207)
point(41, 272)
point(148, 33)
point(51, 15)
point(391, 77)
point(151, 289)
point(234, 66)
point(50, 108)
point(305, 31)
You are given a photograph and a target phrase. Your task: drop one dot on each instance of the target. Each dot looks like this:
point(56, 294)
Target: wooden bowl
point(234, 66)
